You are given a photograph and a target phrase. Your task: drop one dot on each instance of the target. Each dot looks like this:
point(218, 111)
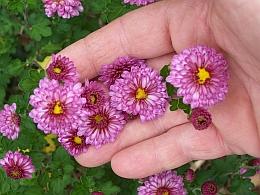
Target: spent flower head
point(200, 118)
point(209, 188)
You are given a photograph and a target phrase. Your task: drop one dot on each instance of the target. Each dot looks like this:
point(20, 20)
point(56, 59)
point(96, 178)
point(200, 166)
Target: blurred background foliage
point(27, 36)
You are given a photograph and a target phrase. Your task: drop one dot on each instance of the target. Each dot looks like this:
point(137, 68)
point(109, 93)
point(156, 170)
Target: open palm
point(154, 32)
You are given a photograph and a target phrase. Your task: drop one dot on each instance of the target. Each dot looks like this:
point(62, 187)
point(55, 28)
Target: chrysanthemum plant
point(48, 116)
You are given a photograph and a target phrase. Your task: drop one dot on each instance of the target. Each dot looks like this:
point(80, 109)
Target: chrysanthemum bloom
point(73, 143)
point(138, 2)
point(165, 183)
point(9, 122)
point(58, 109)
point(17, 165)
point(110, 72)
point(201, 75)
point(200, 118)
point(64, 8)
point(190, 175)
point(140, 91)
point(95, 94)
point(209, 188)
point(62, 69)
point(102, 126)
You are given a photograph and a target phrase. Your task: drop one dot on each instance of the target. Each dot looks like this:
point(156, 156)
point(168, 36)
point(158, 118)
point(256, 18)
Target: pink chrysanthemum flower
point(200, 118)
point(95, 94)
point(201, 75)
point(64, 8)
point(110, 72)
point(17, 165)
point(73, 143)
point(9, 122)
point(102, 126)
point(139, 2)
point(62, 69)
point(55, 107)
point(209, 188)
point(165, 183)
point(190, 175)
point(140, 91)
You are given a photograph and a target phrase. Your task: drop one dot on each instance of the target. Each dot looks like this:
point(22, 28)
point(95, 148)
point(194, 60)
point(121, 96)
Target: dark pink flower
point(9, 122)
point(62, 69)
point(140, 92)
point(209, 188)
point(102, 126)
point(190, 175)
point(72, 142)
point(201, 76)
point(200, 118)
point(64, 8)
point(57, 107)
point(165, 183)
point(110, 72)
point(17, 165)
point(95, 94)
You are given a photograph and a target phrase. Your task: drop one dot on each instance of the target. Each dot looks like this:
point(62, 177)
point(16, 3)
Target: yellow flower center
point(58, 108)
point(57, 70)
point(93, 98)
point(98, 118)
point(140, 94)
point(163, 191)
point(77, 140)
point(203, 75)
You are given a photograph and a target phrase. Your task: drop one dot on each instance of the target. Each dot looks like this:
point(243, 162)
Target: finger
point(142, 33)
point(178, 146)
point(133, 133)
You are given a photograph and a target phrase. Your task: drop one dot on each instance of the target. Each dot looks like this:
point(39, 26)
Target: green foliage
point(27, 36)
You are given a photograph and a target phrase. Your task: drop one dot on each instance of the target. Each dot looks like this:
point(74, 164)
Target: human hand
point(154, 32)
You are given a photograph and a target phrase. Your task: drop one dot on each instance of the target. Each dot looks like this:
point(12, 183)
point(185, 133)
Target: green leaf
point(174, 104)
point(165, 71)
point(40, 29)
point(171, 90)
point(109, 189)
point(249, 173)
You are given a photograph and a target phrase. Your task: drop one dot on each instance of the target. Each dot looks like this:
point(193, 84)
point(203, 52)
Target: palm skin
point(154, 32)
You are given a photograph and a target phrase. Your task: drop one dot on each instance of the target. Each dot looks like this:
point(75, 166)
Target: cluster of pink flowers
point(64, 8)
point(201, 75)
point(94, 113)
